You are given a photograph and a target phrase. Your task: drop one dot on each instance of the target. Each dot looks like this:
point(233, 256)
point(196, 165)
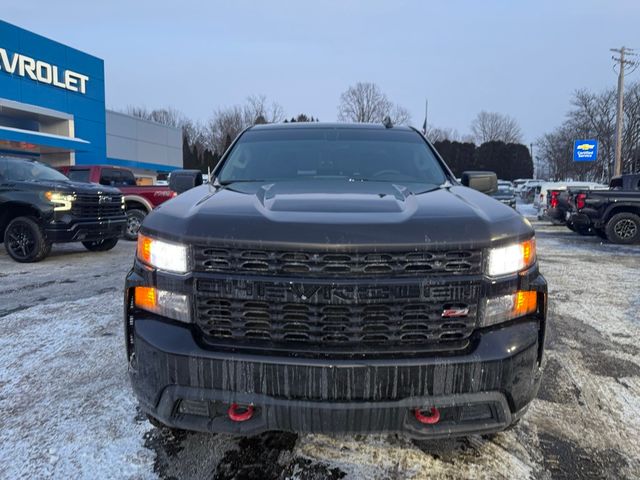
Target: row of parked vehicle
point(612, 212)
point(92, 204)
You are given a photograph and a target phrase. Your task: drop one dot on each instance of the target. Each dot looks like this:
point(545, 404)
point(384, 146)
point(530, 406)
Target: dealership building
point(52, 108)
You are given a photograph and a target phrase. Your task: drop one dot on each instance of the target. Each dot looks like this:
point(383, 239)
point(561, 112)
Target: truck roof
point(335, 125)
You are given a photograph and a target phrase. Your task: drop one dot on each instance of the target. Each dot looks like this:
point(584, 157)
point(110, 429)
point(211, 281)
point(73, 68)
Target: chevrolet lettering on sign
point(43, 72)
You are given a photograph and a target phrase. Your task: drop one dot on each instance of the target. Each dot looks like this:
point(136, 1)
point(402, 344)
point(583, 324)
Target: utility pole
point(535, 167)
point(623, 63)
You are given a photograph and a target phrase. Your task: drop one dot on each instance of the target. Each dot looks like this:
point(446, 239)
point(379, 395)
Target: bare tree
point(593, 115)
point(400, 115)
point(258, 110)
point(364, 102)
point(224, 126)
point(438, 134)
point(493, 126)
point(166, 116)
point(227, 123)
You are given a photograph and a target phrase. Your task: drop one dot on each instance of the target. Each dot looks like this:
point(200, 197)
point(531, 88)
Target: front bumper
point(186, 386)
point(70, 229)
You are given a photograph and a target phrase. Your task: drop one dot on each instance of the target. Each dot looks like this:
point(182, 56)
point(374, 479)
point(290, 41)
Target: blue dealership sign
point(585, 150)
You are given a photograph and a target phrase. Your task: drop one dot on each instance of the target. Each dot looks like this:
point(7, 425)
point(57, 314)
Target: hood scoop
point(347, 197)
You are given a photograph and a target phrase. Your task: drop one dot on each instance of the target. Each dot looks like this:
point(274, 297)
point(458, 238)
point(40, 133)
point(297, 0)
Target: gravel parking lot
point(67, 409)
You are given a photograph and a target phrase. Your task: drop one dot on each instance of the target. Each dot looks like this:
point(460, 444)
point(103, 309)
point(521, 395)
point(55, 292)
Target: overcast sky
point(519, 58)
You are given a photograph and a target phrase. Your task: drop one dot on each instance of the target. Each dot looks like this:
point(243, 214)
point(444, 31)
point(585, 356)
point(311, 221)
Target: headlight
point(168, 304)
point(511, 259)
point(162, 255)
point(62, 201)
point(507, 307)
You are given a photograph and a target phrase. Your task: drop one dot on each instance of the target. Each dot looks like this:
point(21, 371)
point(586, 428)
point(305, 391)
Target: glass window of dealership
point(52, 108)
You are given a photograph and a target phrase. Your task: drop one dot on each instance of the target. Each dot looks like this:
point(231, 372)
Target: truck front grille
point(359, 317)
point(97, 206)
point(329, 264)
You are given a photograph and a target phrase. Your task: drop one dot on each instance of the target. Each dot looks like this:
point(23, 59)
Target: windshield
point(79, 175)
point(18, 170)
point(330, 153)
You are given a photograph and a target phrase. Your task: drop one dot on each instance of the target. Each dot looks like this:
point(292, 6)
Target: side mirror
point(485, 182)
point(182, 180)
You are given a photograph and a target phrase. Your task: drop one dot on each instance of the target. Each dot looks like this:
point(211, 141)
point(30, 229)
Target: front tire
point(623, 228)
point(25, 241)
point(134, 220)
point(100, 245)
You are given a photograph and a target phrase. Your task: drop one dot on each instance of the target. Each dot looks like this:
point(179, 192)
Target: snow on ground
point(67, 409)
point(64, 403)
point(527, 210)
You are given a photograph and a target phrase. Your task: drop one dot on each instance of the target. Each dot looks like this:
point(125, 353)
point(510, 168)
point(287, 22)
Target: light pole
point(624, 62)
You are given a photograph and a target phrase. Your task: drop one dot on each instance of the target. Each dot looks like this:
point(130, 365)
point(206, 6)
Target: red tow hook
point(431, 418)
point(239, 413)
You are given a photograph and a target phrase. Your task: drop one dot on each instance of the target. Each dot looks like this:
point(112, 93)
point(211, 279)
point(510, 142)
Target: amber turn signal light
point(145, 298)
point(144, 248)
point(526, 303)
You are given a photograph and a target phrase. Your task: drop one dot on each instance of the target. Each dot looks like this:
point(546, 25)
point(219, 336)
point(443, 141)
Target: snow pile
point(65, 405)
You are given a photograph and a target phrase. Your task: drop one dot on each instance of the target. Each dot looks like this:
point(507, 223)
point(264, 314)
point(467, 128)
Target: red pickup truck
point(139, 199)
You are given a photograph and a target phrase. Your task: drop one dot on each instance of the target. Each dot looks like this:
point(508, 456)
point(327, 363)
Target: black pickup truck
point(335, 278)
point(612, 214)
point(39, 206)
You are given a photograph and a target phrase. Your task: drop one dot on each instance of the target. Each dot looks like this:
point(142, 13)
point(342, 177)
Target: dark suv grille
point(272, 314)
point(92, 206)
point(326, 264)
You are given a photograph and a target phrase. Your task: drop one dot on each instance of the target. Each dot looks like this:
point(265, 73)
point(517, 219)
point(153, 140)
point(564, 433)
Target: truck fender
point(617, 207)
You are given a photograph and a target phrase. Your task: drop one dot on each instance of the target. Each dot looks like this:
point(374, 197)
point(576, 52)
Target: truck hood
point(336, 214)
point(69, 187)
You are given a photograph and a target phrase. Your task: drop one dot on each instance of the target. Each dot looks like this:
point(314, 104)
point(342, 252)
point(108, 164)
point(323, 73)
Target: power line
point(624, 62)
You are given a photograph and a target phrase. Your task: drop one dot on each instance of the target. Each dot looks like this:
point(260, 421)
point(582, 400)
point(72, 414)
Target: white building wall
point(133, 139)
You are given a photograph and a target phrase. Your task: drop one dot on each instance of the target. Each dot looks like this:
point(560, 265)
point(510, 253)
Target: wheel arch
point(620, 208)
point(13, 210)
point(133, 202)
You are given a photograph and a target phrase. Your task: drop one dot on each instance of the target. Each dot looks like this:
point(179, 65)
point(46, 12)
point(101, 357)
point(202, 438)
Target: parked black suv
point(335, 278)
point(39, 206)
point(612, 214)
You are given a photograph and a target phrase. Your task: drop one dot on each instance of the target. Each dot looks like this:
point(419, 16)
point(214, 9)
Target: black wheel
point(100, 245)
point(134, 220)
point(623, 228)
point(25, 241)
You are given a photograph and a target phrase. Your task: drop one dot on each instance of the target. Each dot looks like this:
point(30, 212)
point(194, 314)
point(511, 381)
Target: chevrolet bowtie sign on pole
point(585, 150)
